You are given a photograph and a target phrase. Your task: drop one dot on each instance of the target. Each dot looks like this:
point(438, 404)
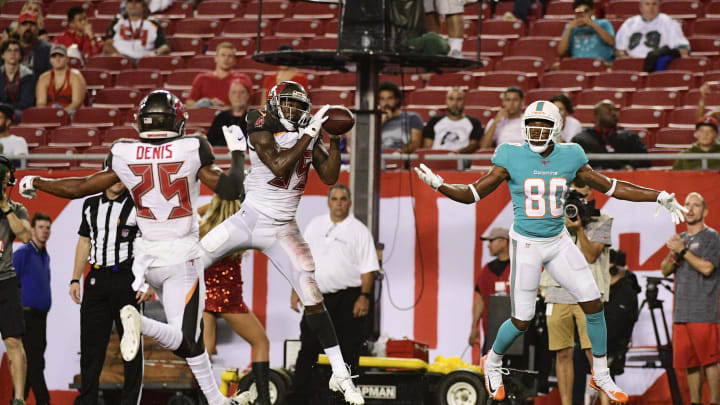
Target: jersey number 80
point(539, 195)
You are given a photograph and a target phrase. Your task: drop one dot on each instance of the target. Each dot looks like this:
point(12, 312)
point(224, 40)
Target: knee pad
point(217, 237)
point(310, 293)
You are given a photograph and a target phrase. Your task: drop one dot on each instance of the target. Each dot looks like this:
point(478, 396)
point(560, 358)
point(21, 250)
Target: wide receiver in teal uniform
point(538, 173)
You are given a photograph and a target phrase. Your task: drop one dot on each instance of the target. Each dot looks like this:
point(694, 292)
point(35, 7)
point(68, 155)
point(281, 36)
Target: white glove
point(235, 138)
point(670, 203)
point(26, 187)
point(426, 175)
point(313, 127)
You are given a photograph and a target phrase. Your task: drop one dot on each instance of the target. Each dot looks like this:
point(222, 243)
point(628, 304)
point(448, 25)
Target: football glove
point(235, 138)
point(27, 189)
point(430, 178)
point(670, 203)
point(313, 127)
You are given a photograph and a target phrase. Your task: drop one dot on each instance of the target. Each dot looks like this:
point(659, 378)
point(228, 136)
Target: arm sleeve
point(713, 250)
point(676, 36)
point(500, 156)
point(429, 130)
point(110, 33)
point(205, 150)
point(622, 36)
point(84, 226)
point(160, 39)
point(580, 156)
point(477, 129)
point(367, 255)
point(415, 121)
point(230, 186)
point(607, 26)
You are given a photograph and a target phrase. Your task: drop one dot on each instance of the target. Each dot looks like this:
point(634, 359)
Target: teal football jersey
point(538, 185)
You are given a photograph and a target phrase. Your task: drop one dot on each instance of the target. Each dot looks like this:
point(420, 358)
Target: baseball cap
point(58, 48)
point(709, 121)
point(243, 79)
point(28, 15)
point(496, 233)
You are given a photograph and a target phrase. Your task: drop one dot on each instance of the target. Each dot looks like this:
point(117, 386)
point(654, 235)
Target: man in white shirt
point(12, 145)
point(651, 30)
point(133, 35)
point(571, 125)
point(345, 265)
point(505, 127)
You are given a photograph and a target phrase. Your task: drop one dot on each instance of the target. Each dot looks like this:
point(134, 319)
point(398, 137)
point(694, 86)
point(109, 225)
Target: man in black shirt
point(606, 137)
point(106, 235)
point(239, 96)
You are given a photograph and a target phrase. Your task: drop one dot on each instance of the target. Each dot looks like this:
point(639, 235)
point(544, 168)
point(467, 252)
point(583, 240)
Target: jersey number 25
point(540, 195)
point(168, 188)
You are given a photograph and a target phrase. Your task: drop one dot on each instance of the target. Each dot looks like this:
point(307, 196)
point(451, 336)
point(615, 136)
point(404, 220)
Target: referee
point(107, 232)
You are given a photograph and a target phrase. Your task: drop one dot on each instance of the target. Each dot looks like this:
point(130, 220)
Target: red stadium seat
point(426, 112)
point(182, 79)
point(531, 65)
point(74, 137)
point(500, 81)
point(622, 9)
point(428, 98)
point(201, 117)
point(560, 10)
point(638, 118)
point(177, 11)
point(588, 98)
point(323, 43)
point(683, 117)
point(447, 80)
point(616, 23)
point(339, 81)
point(12, 8)
point(198, 28)
point(44, 117)
point(333, 97)
point(107, 9)
point(693, 97)
point(96, 117)
point(489, 48)
point(543, 47)
point(203, 62)
point(544, 94)
point(491, 99)
point(483, 114)
point(95, 164)
point(670, 80)
point(546, 28)
point(34, 137)
point(119, 132)
point(664, 99)
point(60, 8)
point(705, 45)
point(55, 25)
point(117, 98)
point(97, 78)
point(297, 28)
point(618, 81)
point(100, 23)
point(571, 80)
point(246, 28)
point(6, 21)
point(272, 43)
point(168, 26)
point(185, 46)
point(501, 29)
point(674, 138)
point(681, 9)
point(219, 9)
point(406, 82)
point(273, 10)
point(705, 26)
point(486, 65)
point(165, 64)
point(52, 164)
point(144, 79)
point(112, 64)
point(712, 9)
point(712, 77)
point(628, 64)
point(323, 11)
point(472, 11)
point(585, 115)
point(591, 66)
point(695, 64)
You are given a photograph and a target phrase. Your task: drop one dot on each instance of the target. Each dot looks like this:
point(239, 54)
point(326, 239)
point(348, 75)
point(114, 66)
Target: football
point(340, 120)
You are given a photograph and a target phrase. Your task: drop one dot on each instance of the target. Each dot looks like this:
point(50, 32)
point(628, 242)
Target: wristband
point(366, 295)
point(73, 281)
point(682, 253)
point(612, 188)
point(474, 192)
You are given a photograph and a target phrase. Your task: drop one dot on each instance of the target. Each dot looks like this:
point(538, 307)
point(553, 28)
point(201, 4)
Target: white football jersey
point(163, 181)
point(639, 37)
point(274, 196)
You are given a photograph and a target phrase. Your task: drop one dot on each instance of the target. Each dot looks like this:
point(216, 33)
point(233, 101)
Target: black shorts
point(12, 321)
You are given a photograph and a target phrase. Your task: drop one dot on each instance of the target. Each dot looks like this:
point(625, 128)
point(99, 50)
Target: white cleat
point(347, 388)
point(243, 398)
point(493, 378)
point(132, 325)
point(603, 382)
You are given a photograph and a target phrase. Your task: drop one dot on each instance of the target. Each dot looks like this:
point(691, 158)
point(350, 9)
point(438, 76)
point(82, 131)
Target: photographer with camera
point(694, 256)
point(14, 224)
point(590, 230)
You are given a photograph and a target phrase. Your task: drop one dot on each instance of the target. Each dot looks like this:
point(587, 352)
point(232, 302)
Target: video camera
point(576, 206)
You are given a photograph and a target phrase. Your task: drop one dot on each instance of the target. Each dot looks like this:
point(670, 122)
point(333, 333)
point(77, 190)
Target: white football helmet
point(546, 111)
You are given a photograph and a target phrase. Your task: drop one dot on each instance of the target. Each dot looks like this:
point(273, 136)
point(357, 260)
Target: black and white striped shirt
point(111, 226)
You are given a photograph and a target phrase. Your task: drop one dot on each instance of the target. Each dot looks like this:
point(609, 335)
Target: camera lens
point(571, 210)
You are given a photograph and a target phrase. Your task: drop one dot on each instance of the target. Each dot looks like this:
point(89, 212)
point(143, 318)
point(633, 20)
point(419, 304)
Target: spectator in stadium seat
point(649, 31)
point(61, 87)
point(706, 133)
point(453, 11)
point(505, 127)
point(36, 51)
point(17, 84)
point(211, 89)
point(239, 96)
point(571, 125)
point(400, 129)
point(453, 131)
point(36, 6)
point(694, 258)
point(284, 73)
point(12, 145)
point(705, 90)
point(134, 35)
point(80, 33)
point(587, 37)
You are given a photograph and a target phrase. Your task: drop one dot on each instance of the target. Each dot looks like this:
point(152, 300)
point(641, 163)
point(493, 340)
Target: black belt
point(127, 264)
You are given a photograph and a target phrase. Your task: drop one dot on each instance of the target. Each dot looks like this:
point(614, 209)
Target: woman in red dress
point(223, 299)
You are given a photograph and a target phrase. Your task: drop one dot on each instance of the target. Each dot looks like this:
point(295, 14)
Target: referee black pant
point(35, 342)
point(106, 291)
point(351, 333)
